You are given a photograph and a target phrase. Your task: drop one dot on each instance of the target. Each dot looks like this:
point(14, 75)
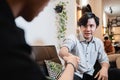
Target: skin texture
point(69, 70)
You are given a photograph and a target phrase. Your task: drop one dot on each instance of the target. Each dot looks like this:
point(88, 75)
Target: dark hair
point(88, 15)
point(86, 9)
point(105, 38)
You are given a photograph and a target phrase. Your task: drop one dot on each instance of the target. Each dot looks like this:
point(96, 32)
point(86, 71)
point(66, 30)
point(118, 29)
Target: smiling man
point(88, 48)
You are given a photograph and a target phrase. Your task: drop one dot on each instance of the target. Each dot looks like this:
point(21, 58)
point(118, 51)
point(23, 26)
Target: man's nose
point(88, 28)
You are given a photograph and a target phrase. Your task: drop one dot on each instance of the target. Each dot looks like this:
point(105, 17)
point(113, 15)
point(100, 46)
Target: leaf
point(62, 20)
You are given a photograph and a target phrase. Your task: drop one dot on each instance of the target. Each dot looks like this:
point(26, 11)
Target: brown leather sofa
point(47, 52)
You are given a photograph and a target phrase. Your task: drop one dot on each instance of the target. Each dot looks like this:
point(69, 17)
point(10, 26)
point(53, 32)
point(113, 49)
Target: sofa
point(48, 52)
point(42, 53)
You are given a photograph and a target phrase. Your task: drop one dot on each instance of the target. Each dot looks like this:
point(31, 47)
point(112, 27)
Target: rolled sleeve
point(69, 42)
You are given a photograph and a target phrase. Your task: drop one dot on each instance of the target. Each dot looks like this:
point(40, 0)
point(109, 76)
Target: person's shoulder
point(98, 40)
point(72, 36)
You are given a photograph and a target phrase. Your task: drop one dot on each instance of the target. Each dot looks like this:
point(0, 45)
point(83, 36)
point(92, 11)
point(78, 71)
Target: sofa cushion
point(54, 69)
point(46, 52)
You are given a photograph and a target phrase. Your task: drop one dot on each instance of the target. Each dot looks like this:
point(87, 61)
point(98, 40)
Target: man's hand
point(102, 74)
point(73, 59)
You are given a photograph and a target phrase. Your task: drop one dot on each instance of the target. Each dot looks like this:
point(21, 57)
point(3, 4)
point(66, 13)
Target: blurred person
point(110, 50)
point(16, 63)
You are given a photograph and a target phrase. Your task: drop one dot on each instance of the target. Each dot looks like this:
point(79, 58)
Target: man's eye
point(91, 25)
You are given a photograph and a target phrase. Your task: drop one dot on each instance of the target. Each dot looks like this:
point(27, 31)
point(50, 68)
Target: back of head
point(28, 9)
point(88, 15)
point(107, 42)
point(105, 38)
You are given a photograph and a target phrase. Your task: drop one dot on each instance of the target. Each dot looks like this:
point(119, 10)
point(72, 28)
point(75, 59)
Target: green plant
point(54, 69)
point(61, 19)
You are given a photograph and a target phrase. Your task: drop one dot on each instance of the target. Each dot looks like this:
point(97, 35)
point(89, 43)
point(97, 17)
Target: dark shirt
point(15, 61)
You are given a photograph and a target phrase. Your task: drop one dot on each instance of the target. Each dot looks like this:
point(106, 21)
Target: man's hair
point(88, 15)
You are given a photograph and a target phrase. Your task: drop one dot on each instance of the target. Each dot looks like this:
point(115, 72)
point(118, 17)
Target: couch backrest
point(47, 52)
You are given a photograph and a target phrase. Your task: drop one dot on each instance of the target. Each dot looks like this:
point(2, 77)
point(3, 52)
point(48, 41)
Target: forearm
point(71, 66)
point(68, 73)
point(105, 65)
point(63, 52)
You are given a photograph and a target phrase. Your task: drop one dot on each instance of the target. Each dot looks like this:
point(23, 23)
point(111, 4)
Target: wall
point(43, 30)
point(116, 31)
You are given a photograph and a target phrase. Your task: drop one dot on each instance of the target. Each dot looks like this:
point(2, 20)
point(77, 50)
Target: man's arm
point(71, 66)
point(64, 52)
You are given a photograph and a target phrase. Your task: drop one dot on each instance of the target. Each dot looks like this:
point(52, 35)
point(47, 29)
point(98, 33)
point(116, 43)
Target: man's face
point(32, 8)
point(89, 29)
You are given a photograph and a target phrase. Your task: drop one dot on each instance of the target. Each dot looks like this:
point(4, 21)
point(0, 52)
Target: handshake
point(73, 60)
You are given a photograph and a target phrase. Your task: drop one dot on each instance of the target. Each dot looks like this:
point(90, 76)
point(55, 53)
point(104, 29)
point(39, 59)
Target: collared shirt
point(88, 52)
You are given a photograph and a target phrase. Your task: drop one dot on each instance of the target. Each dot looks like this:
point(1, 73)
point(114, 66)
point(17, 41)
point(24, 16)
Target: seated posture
point(110, 50)
point(88, 48)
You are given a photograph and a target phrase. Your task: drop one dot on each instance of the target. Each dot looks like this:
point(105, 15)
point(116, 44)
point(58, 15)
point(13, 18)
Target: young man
point(88, 48)
point(16, 63)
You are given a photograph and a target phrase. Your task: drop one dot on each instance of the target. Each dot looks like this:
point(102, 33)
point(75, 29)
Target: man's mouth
point(87, 33)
